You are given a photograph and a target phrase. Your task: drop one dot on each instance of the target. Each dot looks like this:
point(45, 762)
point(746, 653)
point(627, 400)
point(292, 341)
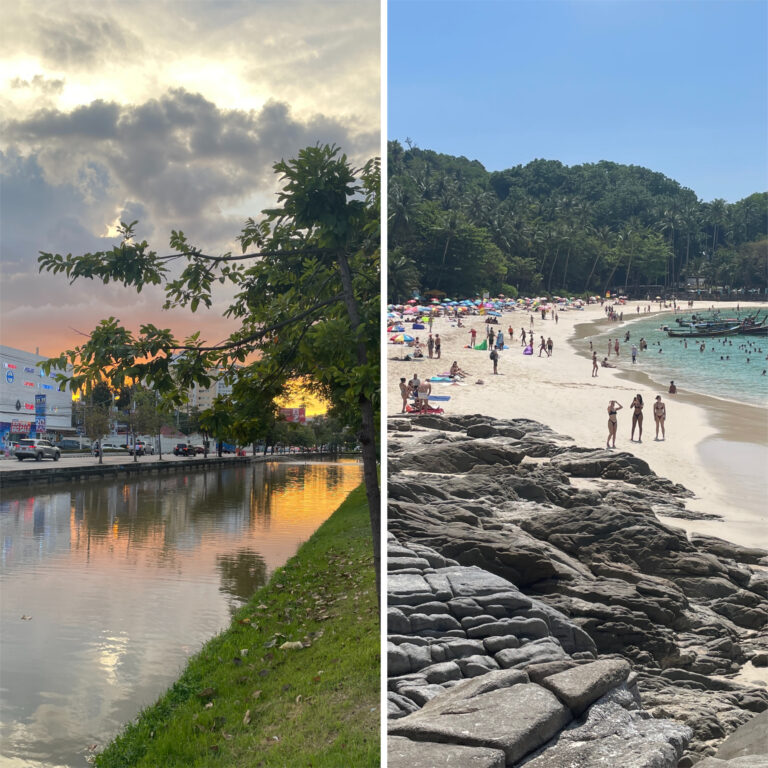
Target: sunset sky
point(171, 113)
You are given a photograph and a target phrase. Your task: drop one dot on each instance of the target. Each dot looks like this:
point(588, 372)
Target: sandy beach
point(714, 447)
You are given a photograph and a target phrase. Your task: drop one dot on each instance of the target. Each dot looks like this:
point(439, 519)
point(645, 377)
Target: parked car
point(184, 449)
point(74, 444)
point(36, 449)
point(199, 449)
point(142, 448)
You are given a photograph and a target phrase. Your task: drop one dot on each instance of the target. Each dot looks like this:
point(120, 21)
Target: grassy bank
point(246, 701)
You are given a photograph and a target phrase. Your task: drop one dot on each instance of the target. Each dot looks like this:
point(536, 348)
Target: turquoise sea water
point(732, 378)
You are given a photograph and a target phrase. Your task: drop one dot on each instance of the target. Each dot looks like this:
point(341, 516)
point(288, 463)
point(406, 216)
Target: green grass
point(315, 706)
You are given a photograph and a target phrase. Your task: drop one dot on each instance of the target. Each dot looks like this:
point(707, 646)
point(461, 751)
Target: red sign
point(294, 415)
point(20, 426)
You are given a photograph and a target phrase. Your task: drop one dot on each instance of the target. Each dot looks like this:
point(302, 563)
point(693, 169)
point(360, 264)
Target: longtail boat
point(703, 330)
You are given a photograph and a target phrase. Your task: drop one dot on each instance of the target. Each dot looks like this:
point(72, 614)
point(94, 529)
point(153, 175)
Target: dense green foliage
point(457, 229)
point(244, 701)
point(307, 296)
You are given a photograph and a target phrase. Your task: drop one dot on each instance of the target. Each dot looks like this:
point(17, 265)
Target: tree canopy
point(306, 302)
point(457, 229)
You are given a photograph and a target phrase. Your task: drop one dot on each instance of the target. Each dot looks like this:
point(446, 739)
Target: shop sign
point(9, 377)
point(20, 426)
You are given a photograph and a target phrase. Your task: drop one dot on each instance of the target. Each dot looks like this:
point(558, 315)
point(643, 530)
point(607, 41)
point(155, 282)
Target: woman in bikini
point(594, 363)
point(660, 415)
point(613, 409)
point(637, 418)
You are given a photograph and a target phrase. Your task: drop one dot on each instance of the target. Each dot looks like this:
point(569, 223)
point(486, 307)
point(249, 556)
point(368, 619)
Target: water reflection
point(242, 573)
point(124, 580)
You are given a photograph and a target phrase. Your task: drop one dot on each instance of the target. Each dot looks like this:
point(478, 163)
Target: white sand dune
point(560, 392)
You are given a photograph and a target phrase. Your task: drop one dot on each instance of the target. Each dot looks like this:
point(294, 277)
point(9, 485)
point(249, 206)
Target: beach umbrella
point(401, 338)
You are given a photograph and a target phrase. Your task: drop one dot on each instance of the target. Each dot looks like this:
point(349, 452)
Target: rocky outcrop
point(517, 552)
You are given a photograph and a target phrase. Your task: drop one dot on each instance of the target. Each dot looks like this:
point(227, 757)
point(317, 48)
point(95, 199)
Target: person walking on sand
point(550, 346)
point(404, 391)
point(437, 346)
point(637, 418)
point(613, 424)
point(522, 337)
point(430, 345)
point(495, 358)
point(594, 364)
point(659, 415)
point(543, 346)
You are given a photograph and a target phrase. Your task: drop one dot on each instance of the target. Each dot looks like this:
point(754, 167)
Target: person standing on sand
point(472, 336)
point(660, 416)
point(430, 345)
point(413, 385)
point(495, 358)
point(637, 418)
point(424, 391)
point(404, 393)
point(616, 346)
point(594, 364)
point(522, 337)
point(550, 346)
point(613, 424)
point(543, 346)
point(499, 340)
point(437, 346)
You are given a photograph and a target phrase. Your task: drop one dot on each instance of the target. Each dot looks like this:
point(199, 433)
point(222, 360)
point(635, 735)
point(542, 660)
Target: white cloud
point(170, 113)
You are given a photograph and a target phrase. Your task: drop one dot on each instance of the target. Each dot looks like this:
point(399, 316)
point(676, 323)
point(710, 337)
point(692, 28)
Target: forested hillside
point(457, 229)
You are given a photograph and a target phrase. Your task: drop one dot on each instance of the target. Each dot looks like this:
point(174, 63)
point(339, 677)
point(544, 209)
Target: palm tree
point(604, 236)
point(402, 276)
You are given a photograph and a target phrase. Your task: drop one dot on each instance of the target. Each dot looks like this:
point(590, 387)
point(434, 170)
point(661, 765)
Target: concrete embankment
point(79, 469)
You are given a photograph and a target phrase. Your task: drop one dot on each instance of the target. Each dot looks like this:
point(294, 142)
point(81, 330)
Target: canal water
point(107, 587)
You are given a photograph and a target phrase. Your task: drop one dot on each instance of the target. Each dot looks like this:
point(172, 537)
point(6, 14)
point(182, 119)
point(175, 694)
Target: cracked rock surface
point(540, 610)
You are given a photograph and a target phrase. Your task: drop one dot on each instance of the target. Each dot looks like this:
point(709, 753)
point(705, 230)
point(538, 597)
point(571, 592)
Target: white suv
point(36, 449)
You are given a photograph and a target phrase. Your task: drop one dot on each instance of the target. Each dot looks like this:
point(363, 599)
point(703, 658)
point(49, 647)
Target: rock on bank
point(540, 610)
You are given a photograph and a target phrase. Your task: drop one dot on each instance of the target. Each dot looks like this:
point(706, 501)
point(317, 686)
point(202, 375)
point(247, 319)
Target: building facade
point(31, 404)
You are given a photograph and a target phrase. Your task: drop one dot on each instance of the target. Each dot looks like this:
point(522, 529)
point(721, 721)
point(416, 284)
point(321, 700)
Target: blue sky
point(680, 87)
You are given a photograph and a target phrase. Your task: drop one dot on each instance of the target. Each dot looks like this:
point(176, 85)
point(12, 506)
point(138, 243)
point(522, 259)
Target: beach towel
point(414, 410)
point(441, 379)
point(440, 397)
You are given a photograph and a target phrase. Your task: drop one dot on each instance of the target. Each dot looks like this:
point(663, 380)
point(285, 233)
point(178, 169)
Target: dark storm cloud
point(180, 154)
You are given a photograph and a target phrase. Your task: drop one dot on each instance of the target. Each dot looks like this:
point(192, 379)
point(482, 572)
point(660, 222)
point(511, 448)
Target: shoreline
point(735, 453)
point(560, 392)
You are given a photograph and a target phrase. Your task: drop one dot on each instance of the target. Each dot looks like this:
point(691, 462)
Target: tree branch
point(296, 252)
point(262, 331)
